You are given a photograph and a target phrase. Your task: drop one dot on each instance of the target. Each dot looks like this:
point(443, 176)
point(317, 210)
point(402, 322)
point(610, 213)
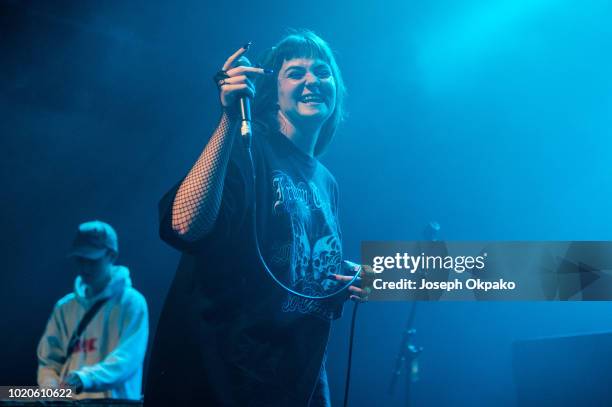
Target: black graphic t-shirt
point(229, 334)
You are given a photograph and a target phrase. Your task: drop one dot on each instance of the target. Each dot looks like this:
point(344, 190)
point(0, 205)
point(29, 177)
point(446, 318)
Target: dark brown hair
point(297, 44)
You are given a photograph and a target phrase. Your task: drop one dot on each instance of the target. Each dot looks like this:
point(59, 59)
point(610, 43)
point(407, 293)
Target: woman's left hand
point(358, 292)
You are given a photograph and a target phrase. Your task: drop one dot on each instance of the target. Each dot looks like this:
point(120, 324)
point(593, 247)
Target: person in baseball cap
point(103, 358)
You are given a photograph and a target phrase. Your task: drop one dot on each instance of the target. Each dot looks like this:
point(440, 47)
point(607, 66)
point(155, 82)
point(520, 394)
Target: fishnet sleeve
point(198, 199)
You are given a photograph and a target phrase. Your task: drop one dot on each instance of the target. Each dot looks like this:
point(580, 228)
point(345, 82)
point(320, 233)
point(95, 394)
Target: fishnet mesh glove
point(198, 199)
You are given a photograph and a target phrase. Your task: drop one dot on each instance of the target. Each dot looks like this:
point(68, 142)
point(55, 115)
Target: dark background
point(492, 118)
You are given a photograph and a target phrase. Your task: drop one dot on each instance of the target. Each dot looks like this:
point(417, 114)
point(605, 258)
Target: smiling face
point(306, 91)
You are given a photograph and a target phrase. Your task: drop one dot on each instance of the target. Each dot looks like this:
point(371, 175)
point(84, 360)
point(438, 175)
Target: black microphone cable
point(248, 146)
point(350, 356)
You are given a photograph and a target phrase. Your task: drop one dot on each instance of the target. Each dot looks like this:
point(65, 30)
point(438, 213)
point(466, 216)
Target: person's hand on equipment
point(73, 380)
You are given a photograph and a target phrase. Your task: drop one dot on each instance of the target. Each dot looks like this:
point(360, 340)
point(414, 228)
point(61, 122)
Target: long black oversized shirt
point(228, 334)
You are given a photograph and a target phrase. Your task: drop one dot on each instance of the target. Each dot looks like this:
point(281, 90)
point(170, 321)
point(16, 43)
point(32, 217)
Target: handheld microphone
point(245, 111)
point(245, 120)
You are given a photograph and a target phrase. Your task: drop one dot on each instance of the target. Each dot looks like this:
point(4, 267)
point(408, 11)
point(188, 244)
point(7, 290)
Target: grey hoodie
point(108, 359)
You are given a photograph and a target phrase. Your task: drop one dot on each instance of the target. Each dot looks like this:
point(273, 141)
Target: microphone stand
point(407, 357)
point(408, 354)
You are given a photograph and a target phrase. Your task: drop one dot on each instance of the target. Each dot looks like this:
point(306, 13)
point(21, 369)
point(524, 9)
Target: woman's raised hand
point(234, 79)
